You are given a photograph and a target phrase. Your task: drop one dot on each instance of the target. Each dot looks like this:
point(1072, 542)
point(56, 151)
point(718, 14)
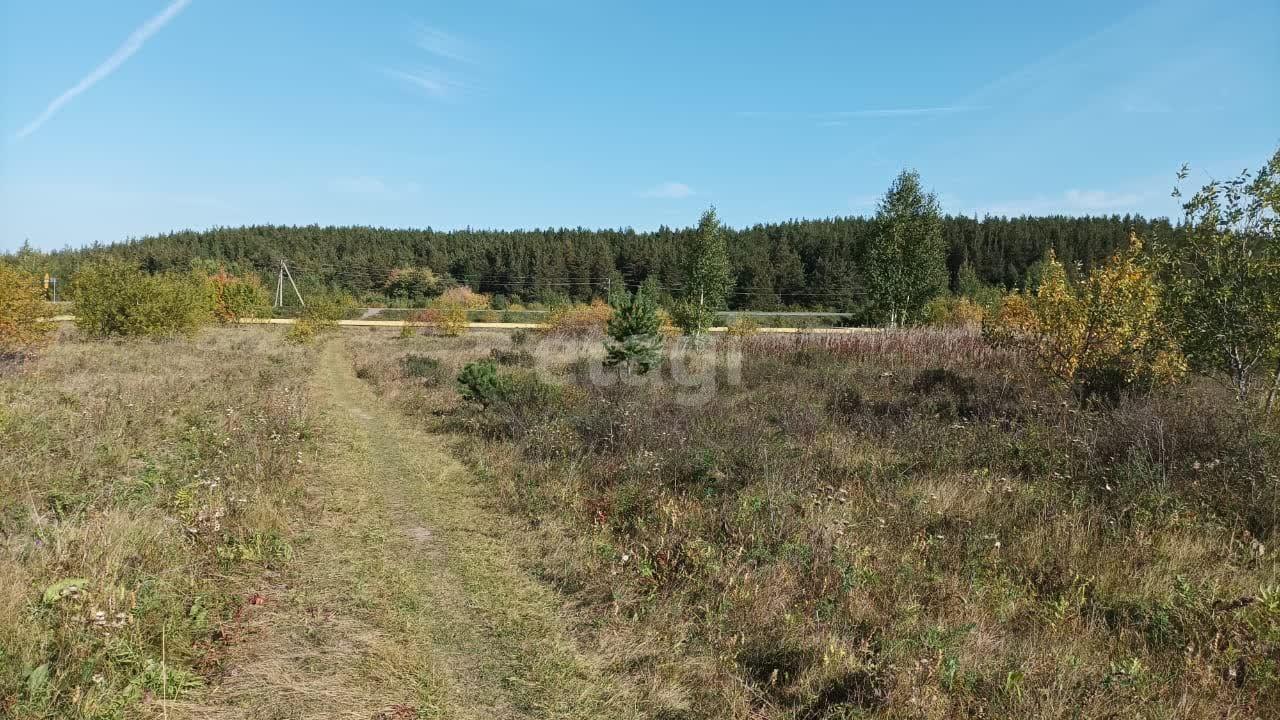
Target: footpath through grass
point(404, 598)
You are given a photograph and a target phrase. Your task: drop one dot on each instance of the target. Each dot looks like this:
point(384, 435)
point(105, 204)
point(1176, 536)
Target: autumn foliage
point(579, 320)
point(465, 297)
point(236, 297)
point(22, 305)
point(447, 314)
point(1101, 336)
point(954, 311)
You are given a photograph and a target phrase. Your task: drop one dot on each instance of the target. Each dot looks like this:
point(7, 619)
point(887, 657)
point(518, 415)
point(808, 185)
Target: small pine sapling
point(635, 340)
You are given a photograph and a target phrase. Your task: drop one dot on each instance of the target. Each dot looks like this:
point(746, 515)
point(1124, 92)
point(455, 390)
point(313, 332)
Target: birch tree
point(1223, 277)
point(906, 259)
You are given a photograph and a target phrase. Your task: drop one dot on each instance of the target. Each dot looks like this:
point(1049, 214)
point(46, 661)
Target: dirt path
point(404, 600)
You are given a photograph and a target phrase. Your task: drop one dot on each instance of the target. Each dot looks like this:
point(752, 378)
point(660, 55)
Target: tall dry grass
point(141, 479)
point(915, 347)
point(897, 525)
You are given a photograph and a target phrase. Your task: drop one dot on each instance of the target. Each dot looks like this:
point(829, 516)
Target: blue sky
point(135, 116)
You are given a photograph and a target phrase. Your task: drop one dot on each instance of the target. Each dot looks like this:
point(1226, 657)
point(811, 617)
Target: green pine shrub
point(480, 383)
point(635, 342)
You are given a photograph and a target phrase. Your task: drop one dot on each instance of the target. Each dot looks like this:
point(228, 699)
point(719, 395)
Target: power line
point(380, 273)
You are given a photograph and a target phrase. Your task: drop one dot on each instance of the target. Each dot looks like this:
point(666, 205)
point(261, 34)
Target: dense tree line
point(797, 264)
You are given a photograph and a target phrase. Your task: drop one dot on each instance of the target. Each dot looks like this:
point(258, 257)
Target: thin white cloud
point(1071, 202)
point(435, 82)
point(131, 45)
point(669, 191)
point(444, 76)
point(1039, 75)
point(444, 45)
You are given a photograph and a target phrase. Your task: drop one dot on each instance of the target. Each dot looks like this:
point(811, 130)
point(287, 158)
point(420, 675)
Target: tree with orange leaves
point(1101, 336)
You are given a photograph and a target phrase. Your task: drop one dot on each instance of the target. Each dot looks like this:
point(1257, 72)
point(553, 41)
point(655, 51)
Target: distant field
point(765, 319)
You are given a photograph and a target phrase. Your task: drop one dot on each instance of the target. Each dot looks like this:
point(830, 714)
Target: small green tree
point(113, 297)
point(414, 285)
point(708, 280)
point(635, 341)
point(1223, 276)
point(969, 285)
point(479, 382)
point(692, 318)
point(906, 260)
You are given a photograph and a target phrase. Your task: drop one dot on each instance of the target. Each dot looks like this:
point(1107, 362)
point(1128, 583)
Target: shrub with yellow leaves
point(742, 327)
point(236, 296)
point(446, 317)
point(666, 325)
point(1102, 336)
point(954, 311)
point(447, 314)
point(22, 305)
point(465, 297)
point(579, 321)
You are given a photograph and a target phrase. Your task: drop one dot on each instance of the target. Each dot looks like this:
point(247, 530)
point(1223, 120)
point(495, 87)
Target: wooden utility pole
point(280, 278)
point(289, 275)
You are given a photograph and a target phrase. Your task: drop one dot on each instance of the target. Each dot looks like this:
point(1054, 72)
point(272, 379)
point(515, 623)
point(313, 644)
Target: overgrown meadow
point(902, 524)
point(142, 481)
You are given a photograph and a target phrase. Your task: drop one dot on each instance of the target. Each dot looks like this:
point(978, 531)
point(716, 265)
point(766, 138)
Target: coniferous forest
point(800, 264)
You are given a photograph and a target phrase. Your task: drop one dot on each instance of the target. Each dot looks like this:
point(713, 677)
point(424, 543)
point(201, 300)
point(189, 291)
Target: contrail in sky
point(130, 46)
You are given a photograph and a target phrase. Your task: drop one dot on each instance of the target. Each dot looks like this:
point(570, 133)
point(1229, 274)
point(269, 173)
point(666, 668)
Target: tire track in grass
point(404, 598)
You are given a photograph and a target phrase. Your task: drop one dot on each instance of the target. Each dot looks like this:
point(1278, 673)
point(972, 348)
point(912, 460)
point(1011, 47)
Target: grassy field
point(896, 525)
point(145, 484)
point(886, 525)
point(232, 526)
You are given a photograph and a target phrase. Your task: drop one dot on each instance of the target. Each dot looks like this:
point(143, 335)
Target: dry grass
point(152, 477)
point(915, 347)
point(891, 525)
point(854, 532)
point(404, 596)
